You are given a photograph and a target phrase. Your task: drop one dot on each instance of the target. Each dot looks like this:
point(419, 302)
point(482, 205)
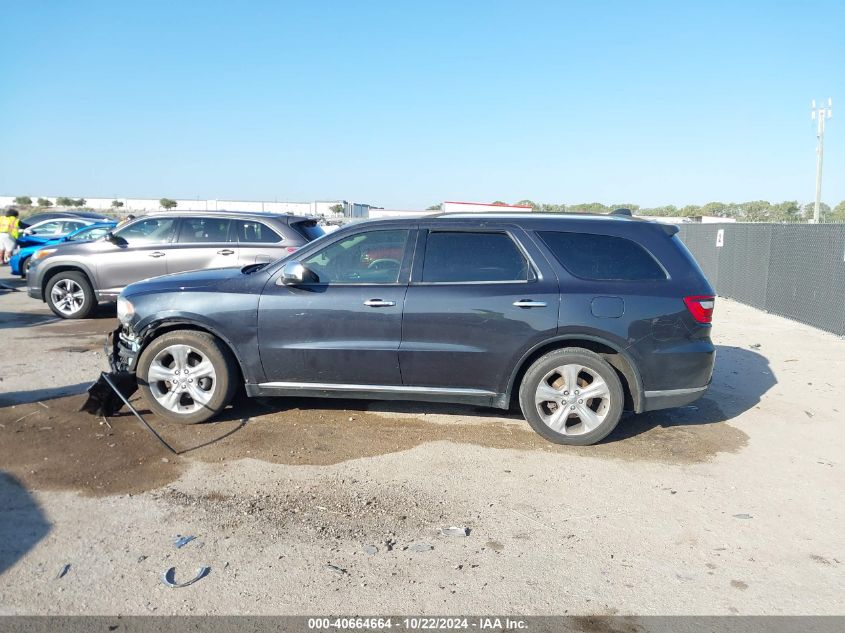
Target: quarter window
point(209, 230)
point(457, 256)
point(602, 257)
point(250, 232)
point(374, 257)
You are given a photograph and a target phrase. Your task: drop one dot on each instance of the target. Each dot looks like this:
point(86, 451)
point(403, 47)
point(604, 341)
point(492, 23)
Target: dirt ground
point(302, 506)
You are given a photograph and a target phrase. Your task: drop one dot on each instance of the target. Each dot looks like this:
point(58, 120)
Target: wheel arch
point(617, 357)
point(156, 329)
point(59, 268)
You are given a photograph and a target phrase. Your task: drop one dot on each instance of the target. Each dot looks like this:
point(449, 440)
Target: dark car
point(35, 218)
point(573, 318)
point(72, 278)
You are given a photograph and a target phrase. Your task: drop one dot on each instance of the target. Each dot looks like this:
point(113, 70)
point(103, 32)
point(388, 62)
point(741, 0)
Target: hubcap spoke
point(159, 372)
point(171, 399)
point(587, 416)
point(557, 421)
point(596, 389)
point(180, 356)
point(203, 370)
point(545, 393)
point(200, 397)
point(570, 375)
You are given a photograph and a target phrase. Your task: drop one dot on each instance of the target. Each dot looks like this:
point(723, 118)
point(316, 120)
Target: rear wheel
point(24, 267)
point(187, 376)
point(571, 396)
point(70, 295)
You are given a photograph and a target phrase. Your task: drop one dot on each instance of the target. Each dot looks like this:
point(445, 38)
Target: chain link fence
point(793, 270)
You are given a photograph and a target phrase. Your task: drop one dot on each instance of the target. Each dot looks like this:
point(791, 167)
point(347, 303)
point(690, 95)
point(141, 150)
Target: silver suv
point(73, 278)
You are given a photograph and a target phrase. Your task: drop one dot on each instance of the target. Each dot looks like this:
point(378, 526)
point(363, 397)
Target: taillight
point(701, 307)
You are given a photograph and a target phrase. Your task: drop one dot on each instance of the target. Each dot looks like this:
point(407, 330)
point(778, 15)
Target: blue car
point(20, 260)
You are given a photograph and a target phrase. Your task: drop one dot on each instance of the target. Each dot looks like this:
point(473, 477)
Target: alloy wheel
point(572, 399)
point(68, 296)
point(182, 379)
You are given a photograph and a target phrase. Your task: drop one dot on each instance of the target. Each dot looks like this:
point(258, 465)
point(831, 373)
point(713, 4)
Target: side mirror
point(27, 231)
point(114, 239)
point(295, 273)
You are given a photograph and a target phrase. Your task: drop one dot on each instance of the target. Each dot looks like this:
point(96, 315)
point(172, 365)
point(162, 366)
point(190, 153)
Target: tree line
point(753, 211)
point(64, 201)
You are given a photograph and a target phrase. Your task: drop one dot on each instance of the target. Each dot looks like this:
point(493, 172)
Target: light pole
point(820, 114)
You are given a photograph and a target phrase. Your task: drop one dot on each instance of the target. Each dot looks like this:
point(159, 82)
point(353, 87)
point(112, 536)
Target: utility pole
point(820, 114)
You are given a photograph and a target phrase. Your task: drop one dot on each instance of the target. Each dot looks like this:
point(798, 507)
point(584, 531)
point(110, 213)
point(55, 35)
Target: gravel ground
point(731, 505)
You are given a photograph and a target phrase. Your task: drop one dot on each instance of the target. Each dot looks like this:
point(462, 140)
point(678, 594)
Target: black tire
point(25, 267)
point(222, 388)
point(65, 280)
point(588, 360)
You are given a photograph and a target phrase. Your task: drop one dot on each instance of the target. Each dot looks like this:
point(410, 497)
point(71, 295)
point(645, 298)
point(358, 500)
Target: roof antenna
point(621, 212)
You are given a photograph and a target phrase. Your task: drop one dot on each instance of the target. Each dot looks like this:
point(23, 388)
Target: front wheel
point(571, 396)
point(187, 376)
point(70, 295)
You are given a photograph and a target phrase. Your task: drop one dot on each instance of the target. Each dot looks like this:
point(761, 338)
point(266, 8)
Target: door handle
point(157, 254)
point(226, 251)
point(378, 303)
point(528, 303)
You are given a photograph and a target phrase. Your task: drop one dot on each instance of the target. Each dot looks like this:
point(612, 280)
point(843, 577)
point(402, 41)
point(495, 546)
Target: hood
point(211, 278)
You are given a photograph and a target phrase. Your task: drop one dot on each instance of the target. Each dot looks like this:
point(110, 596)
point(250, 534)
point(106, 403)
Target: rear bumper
point(670, 398)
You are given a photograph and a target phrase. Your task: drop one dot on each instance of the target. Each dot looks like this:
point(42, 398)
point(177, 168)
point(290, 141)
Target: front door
point(345, 325)
point(478, 300)
point(139, 251)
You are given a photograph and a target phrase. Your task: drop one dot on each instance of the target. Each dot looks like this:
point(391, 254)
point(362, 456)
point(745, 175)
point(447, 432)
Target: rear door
point(478, 300)
point(203, 242)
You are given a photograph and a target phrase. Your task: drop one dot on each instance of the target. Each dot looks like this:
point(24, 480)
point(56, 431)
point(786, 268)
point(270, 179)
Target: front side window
point(374, 257)
point(602, 257)
point(462, 256)
point(204, 230)
point(251, 232)
point(148, 231)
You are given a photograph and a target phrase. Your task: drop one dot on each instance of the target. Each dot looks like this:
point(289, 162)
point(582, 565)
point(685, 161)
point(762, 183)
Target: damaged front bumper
point(122, 349)
point(109, 392)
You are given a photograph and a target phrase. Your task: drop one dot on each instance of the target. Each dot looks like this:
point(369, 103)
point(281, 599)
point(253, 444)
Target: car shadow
point(740, 379)
point(22, 523)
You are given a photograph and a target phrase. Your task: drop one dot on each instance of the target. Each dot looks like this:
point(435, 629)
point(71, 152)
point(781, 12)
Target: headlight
point(41, 253)
point(125, 310)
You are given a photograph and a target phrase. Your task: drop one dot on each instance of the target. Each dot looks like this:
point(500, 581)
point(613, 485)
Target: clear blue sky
point(403, 104)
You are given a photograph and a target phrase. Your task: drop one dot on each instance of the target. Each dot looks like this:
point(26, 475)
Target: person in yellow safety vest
point(9, 229)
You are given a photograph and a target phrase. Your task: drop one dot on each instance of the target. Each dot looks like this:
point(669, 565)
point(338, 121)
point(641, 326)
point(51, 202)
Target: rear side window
point(602, 257)
point(464, 257)
point(250, 232)
point(204, 230)
point(309, 229)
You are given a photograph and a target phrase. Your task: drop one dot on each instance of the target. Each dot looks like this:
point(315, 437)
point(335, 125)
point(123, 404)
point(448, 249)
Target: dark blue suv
point(573, 318)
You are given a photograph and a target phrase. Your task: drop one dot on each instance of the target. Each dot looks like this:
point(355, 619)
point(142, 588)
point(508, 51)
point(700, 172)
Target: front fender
point(243, 348)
